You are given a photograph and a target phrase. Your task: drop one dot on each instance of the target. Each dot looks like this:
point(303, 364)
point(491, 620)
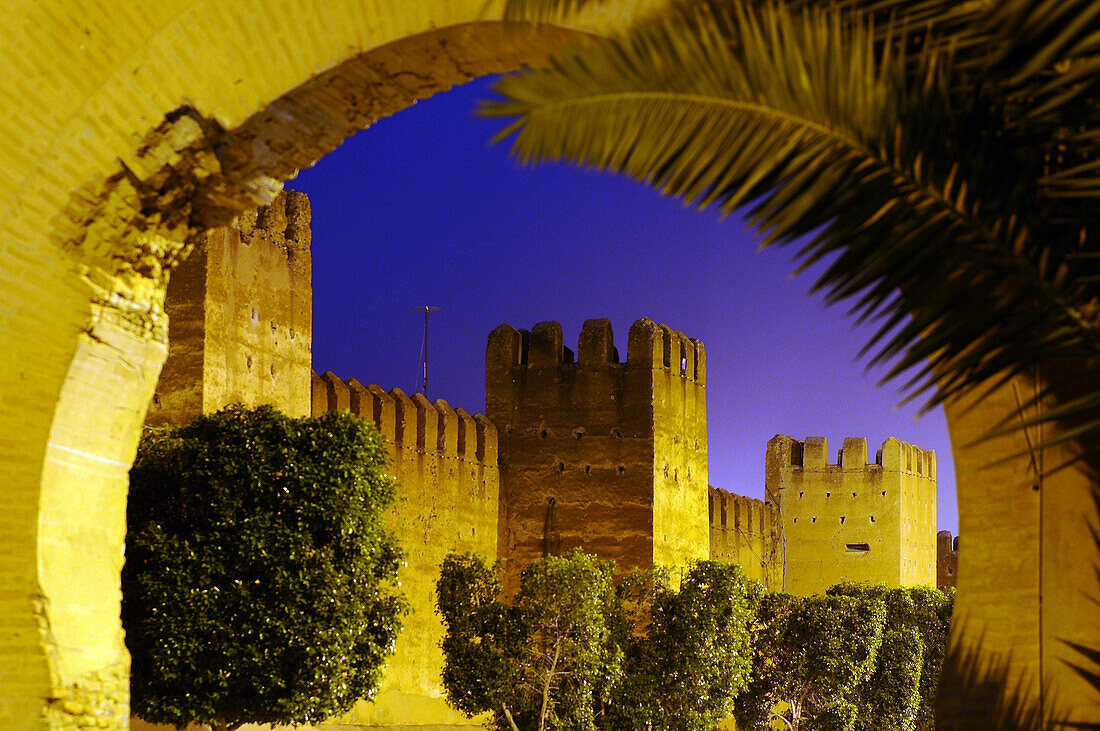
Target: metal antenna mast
point(426, 309)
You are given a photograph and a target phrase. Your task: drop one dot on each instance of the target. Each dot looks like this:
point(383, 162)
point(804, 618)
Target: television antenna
point(426, 309)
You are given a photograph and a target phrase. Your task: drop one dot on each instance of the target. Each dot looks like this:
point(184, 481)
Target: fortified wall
point(445, 461)
point(852, 520)
point(747, 532)
point(607, 455)
point(581, 449)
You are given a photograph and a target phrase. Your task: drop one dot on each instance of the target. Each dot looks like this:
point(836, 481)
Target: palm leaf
point(833, 128)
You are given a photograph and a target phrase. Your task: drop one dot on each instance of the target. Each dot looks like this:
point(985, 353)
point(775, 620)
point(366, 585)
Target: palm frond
point(829, 127)
point(544, 10)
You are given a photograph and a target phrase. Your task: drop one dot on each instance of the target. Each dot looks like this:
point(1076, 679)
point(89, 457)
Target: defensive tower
point(599, 453)
point(240, 317)
point(852, 520)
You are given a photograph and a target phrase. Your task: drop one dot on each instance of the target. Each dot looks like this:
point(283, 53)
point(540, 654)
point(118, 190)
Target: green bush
point(811, 654)
point(573, 653)
point(540, 663)
point(901, 694)
point(683, 673)
point(259, 580)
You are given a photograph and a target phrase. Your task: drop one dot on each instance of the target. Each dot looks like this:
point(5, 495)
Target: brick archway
point(131, 128)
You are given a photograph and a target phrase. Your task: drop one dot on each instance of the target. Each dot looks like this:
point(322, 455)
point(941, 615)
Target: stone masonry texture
point(134, 128)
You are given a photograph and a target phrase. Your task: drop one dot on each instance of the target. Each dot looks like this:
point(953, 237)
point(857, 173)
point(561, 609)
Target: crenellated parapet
point(648, 344)
point(813, 454)
point(284, 222)
point(410, 423)
point(748, 532)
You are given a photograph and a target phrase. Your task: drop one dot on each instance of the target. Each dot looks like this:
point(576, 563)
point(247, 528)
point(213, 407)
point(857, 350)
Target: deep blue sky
point(421, 210)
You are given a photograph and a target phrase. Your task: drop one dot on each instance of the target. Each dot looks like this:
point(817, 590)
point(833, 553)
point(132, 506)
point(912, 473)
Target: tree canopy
point(259, 584)
point(573, 652)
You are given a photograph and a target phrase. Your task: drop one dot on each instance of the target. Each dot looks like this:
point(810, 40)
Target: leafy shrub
point(258, 585)
point(541, 662)
point(684, 672)
point(573, 653)
point(810, 655)
point(901, 694)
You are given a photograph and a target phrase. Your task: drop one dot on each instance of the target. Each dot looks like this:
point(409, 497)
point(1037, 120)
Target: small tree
point(555, 658)
point(811, 654)
point(900, 695)
point(540, 663)
point(259, 580)
point(683, 673)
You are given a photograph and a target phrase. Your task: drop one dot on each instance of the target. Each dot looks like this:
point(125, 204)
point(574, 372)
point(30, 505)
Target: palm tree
point(943, 154)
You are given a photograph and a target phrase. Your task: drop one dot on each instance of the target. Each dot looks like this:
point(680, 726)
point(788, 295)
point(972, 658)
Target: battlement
point(748, 532)
point(813, 454)
point(428, 427)
point(648, 344)
point(284, 221)
point(748, 515)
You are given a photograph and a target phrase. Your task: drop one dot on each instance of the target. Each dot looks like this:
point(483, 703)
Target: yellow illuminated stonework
point(850, 520)
point(134, 128)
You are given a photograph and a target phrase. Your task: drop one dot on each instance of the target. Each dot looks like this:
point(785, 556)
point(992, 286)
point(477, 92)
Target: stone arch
point(130, 129)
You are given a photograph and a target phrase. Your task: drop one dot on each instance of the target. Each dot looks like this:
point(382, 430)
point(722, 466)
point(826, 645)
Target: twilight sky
point(420, 210)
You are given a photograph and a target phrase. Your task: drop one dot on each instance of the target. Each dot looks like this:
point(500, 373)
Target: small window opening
point(587, 469)
point(884, 493)
point(561, 467)
point(853, 494)
point(578, 432)
point(622, 470)
point(796, 520)
point(828, 494)
point(858, 547)
point(813, 520)
point(842, 520)
point(801, 494)
point(872, 519)
point(542, 433)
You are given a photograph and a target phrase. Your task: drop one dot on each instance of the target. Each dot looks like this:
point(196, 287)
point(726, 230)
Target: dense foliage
point(684, 671)
point(811, 656)
point(259, 580)
point(540, 662)
point(900, 695)
point(571, 652)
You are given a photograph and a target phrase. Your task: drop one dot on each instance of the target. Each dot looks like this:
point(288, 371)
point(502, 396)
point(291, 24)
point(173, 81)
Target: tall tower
point(598, 453)
point(240, 312)
point(854, 521)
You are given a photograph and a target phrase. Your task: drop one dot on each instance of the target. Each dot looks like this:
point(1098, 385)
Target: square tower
point(240, 317)
point(596, 453)
point(854, 521)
